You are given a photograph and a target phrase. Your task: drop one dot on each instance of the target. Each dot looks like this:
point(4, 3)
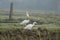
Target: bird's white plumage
point(24, 22)
point(29, 26)
point(27, 14)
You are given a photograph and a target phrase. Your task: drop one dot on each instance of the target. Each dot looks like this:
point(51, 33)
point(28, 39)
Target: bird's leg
point(25, 24)
point(22, 26)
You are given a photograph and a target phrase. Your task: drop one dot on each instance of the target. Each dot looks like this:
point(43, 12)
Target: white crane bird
point(24, 22)
point(29, 26)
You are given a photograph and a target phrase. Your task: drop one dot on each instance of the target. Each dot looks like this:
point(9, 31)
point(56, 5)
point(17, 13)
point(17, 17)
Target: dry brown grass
point(39, 34)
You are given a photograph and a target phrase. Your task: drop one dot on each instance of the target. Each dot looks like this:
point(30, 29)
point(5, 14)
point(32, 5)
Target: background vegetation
point(45, 19)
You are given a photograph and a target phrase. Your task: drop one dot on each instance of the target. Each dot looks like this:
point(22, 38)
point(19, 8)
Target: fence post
point(11, 11)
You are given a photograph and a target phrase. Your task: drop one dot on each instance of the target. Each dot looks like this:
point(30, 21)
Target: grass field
point(48, 21)
point(51, 20)
point(8, 26)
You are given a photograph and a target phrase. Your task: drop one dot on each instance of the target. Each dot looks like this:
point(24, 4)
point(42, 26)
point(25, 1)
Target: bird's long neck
point(27, 14)
point(33, 23)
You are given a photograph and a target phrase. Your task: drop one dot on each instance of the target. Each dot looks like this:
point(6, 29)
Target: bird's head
point(34, 22)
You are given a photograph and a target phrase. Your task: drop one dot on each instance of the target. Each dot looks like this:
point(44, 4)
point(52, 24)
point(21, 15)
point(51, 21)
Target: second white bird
point(29, 26)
